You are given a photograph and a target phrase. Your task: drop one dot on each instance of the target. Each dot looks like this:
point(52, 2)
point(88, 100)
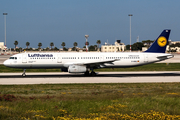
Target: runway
point(102, 77)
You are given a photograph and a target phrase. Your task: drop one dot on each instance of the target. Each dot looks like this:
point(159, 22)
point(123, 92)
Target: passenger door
point(101, 58)
point(145, 58)
point(59, 58)
point(24, 58)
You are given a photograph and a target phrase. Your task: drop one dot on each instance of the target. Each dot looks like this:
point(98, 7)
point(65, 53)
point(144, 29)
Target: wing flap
point(95, 62)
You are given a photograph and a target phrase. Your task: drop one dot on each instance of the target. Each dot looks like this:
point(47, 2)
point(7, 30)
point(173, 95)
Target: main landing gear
point(92, 73)
point(24, 73)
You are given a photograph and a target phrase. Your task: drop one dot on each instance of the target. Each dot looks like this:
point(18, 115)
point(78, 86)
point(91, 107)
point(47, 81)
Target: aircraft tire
point(86, 73)
point(24, 75)
point(93, 73)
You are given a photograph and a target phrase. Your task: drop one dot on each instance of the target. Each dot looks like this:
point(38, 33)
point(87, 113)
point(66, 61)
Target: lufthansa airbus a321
point(85, 62)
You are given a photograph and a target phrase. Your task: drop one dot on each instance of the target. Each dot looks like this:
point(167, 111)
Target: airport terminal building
point(117, 46)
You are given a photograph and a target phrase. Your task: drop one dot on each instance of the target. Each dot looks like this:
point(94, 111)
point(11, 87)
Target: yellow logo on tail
point(162, 41)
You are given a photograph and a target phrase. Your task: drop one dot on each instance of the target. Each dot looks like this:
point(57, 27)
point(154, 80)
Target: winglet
point(159, 45)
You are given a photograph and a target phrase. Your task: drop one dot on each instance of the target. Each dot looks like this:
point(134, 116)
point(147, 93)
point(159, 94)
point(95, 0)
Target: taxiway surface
point(102, 77)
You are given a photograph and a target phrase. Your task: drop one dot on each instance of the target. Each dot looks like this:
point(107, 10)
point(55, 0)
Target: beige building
point(177, 49)
point(174, 42)
point(2, 45)
point(167, 49)
point(113, 48)
point(144, 49)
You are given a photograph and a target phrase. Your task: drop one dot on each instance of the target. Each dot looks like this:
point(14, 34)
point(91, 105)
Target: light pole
point(86, 36)
point(5, 28)
point(130, 30)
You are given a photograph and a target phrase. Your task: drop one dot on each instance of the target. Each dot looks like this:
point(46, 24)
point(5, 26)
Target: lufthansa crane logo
point(162, 41)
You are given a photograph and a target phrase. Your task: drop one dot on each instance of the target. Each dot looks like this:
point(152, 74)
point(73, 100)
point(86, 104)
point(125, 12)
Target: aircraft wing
point(95, 63)
point(101, 62)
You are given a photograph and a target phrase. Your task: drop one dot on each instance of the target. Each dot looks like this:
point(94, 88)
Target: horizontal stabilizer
point(166, 56)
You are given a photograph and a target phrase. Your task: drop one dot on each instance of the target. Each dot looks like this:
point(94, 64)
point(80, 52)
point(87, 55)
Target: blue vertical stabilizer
point(159, 45)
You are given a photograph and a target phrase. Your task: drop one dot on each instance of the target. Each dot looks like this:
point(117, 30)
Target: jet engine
point(77, 69)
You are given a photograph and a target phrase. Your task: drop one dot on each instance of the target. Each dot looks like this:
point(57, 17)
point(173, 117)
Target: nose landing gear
point(24, 73)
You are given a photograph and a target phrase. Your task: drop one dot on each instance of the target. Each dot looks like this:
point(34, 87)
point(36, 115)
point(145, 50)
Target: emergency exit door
point(24, 58)
point(59, 58)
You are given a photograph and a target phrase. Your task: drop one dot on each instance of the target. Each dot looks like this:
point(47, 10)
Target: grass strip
point(90, 101)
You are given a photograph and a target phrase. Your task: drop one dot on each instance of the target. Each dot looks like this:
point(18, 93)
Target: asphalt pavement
point(101, 77)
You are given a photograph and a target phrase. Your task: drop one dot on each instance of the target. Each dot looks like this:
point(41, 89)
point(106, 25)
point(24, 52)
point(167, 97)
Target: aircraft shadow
point(98, 75)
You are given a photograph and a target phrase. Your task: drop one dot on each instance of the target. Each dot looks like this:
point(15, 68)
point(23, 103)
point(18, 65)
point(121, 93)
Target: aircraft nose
point(6, 63)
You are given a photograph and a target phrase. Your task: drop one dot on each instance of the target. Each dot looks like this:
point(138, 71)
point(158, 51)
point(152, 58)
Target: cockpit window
point(13, 58)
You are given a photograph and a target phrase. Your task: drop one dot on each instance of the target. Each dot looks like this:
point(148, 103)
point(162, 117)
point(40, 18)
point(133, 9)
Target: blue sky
point(68, 21)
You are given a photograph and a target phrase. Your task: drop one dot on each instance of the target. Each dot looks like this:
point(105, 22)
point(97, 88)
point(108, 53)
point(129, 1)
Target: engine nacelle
point(77, 69)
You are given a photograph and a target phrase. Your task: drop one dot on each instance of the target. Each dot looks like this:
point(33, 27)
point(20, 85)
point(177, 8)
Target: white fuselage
point(89, 59)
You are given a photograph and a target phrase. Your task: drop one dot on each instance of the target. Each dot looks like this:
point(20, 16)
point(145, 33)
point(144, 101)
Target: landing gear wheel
point(93, 73)
point(24, 75)
point(86, 73)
